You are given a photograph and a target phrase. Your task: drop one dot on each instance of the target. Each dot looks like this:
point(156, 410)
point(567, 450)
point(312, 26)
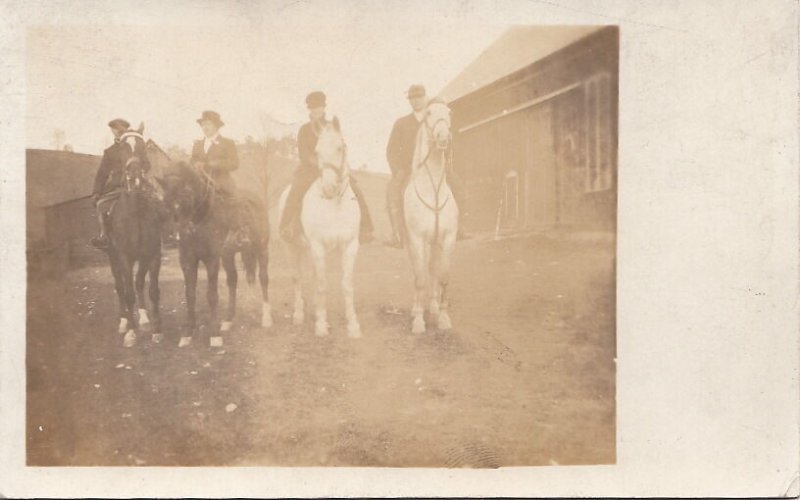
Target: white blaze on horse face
point(437, 119)
point(331, 157)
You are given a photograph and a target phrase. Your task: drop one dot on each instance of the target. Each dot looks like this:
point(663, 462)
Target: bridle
point(447, 158)
point(201, 204)
point(339, 172)
point(130, 179)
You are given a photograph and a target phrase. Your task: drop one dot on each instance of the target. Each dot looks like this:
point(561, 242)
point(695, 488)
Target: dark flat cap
point(211, 116)
point(119, 123)
point(415, 91)
point(315, 99)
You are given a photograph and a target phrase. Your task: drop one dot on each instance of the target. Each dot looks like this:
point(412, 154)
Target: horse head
point(134, 153)
point(184, 193)
point(437, 124)
point(332, 159)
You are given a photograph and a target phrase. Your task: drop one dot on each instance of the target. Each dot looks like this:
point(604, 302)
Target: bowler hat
point(315, 99)
point(416, 91)
point(211, 116)
point(119, 123)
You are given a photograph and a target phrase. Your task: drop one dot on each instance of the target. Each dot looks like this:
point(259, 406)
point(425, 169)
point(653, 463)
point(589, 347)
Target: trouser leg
point(394, 204)
point(456, 184)
point(365, 231)
point(290, 220)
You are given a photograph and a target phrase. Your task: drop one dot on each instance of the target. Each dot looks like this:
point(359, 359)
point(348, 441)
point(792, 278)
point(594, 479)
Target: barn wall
point(73, 223)
point(545, 154)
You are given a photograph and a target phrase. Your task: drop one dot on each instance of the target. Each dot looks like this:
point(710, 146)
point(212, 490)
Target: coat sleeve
point(305, 146)
point(228, 161)
point(102, 173)
point(393, 149)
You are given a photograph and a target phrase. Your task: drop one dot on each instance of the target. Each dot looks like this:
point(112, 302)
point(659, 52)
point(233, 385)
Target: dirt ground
point(526, 377)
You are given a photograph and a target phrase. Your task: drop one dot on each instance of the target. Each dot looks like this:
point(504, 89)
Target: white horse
point(330, 218)
point(431, 217)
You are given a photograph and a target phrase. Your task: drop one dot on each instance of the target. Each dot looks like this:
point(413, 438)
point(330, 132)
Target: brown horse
point(204, 220)
point(135, 237)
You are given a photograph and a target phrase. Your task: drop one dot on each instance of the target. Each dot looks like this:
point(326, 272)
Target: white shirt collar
point(419, 115)
point(208, 141)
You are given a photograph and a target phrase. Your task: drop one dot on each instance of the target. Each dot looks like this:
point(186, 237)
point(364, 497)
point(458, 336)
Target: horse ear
point(141, 127)
point(336, 124)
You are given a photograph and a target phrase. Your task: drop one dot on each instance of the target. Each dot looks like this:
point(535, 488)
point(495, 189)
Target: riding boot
point(365, 230)
point(101, 242)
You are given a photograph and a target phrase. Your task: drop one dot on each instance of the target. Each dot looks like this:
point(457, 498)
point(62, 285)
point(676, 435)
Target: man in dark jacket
point(400, 154)
point(109, 179)
point(308, 172)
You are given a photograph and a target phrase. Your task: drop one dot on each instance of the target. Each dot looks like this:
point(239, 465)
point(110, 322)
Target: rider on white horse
point(399, 153)
point(308, 172)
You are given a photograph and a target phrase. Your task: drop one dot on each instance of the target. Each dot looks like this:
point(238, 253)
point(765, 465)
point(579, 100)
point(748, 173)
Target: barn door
point(542, 182)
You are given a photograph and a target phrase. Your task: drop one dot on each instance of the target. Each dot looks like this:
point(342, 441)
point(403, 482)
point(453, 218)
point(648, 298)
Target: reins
point(436, 208)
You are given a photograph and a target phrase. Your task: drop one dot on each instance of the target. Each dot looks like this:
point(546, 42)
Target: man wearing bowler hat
point(400, 154)
point(308, 172)
point(109, 179)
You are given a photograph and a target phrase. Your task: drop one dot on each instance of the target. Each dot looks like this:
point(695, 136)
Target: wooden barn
point(535, 130)
point(60, 211)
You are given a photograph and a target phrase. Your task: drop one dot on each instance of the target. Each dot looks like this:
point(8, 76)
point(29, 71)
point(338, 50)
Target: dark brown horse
point(135, 237)
point(205, 224)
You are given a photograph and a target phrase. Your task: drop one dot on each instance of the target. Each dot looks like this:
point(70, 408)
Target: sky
point(254, 70)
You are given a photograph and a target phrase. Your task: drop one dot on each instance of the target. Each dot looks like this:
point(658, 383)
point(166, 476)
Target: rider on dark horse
point(216, 157)
point(308, 172)
point(110, 179)
point(399, 154)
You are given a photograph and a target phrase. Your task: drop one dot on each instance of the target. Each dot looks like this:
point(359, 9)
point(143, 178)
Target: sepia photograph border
point(707, 258)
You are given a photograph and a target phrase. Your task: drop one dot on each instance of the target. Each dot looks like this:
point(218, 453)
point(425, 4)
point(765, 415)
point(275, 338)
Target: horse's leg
point(212, 295)
point(141, 273)
point(232, 276)
point(295, 254)
point(443, 280)
point(189, 268)
point(348, 263)
point(119, 286)
point(320, 298)
point(130, 302)
point(263, 279)
point(416, 248)
point(155, 298)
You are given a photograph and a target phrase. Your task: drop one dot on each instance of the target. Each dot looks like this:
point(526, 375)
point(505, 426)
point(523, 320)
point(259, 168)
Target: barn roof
point(515, 49)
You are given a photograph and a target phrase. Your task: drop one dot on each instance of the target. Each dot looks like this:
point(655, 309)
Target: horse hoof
point(225, 326)
point(354, 331)
point(130, 339)
point(184, 341)
point(321, 330)
point(123, 325)
point(157, 338)
point(297, 319)
point(215, 341)
point(144, 319)
point(418, 326)
point(444, 321)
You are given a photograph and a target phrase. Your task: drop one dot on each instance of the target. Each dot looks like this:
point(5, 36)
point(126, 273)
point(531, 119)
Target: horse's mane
point(185, 173)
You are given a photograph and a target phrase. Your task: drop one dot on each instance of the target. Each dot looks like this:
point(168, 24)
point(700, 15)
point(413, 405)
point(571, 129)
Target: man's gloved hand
point(96, 197)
